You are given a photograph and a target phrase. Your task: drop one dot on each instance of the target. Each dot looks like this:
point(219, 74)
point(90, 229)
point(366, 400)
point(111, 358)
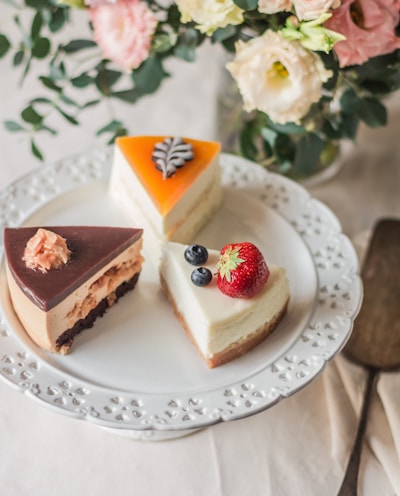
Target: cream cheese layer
point(215, 320)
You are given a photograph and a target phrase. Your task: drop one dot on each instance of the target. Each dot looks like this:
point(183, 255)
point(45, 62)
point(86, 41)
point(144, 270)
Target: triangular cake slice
point(170, 186)
point(221, 328)
point(61, 278)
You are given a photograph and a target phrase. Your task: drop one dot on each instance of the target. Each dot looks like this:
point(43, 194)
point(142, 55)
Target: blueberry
point(201, 276)
point(196, 254)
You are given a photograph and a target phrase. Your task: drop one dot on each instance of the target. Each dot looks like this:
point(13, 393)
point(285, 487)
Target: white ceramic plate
point(135, 369)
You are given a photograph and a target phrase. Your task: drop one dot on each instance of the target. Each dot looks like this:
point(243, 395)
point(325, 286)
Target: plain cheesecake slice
point(221, 328)
point(56, 304)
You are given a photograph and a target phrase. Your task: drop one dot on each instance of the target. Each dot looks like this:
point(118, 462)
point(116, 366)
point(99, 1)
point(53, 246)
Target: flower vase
point(232, 121)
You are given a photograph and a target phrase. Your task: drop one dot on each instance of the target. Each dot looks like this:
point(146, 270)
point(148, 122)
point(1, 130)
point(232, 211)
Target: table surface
point(42, 452)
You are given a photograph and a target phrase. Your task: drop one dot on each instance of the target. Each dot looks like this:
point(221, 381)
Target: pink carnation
point(123, 31)
point(369, 27)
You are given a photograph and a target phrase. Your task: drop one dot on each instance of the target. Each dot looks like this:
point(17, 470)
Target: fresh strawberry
point(242, 270)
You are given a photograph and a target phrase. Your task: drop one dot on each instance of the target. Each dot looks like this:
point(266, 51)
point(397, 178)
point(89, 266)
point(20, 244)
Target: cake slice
point(170, 186)
point(62, 278)
point(221, 327)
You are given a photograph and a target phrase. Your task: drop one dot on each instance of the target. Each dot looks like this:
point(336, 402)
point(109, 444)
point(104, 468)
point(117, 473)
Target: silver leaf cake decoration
point(171, 154)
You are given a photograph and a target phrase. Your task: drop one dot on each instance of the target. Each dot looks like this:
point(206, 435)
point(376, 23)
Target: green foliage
point(4, 45)
point(352, 96)
point(246, 4)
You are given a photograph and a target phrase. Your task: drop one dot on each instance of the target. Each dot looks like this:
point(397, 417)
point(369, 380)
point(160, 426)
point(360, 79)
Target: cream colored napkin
point(380, 462)
point(301, 446)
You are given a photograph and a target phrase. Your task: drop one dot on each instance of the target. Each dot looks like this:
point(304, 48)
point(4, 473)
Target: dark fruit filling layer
point(67, 337)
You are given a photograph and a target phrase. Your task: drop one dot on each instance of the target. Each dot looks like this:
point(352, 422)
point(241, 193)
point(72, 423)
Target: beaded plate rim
point(337, 304)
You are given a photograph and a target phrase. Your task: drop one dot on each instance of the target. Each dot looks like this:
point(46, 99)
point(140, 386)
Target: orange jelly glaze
point(165, 193)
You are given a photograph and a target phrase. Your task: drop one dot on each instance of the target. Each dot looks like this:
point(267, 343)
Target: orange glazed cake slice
point(62, 278)
point(170, 185)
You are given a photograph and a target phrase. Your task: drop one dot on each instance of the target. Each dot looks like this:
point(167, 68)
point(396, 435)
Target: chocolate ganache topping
point(171, 154)
point(92, 247)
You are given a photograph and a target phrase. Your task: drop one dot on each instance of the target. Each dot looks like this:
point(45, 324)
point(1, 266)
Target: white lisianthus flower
point(274, 6)
point(305, 9)
point(278, 76)
point(209, 15)
point(311, 9)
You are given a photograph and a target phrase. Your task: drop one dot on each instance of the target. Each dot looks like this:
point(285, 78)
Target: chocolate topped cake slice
point(62, 278)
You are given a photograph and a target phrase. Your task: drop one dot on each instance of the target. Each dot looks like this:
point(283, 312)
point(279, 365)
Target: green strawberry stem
point(228, 262)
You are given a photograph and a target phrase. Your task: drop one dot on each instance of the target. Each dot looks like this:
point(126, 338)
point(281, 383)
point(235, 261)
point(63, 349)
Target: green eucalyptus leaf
point(30, 115)
point(105, 79)
point(58, 19)
point(349, 100)
point(41, 48)
point(129, 96)
point(4, 45)
point(269, 135)
point(36, 25)
point(38, 4)
point(90, 103)
point(372, 112)
point(350, 124)
point(68, 101)
point(147, 78)
point(333, 129)
point(110, 127)
point(13, 126)
point(187, 44)
point(57, 71)
point(223, 34)
point(289, 128)
point(26, 70)
point(76, 45)
point(163, 42)
point(230, 44)
point(67, 117)
point(368, 109)
point(246, 143)
point(35, 150)
point(43, 127)
point(50, 84)
point(284, 148)
point(41, 99)
point(18, 58)
point(185, 52)
point(308, 152)
point(381, 80)
point(82, 81)
point(246, 4)
point(376, 87)
point(174, 17)
point(122, 131)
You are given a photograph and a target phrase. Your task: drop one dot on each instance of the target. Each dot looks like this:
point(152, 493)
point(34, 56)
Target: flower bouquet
point(307, 71)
